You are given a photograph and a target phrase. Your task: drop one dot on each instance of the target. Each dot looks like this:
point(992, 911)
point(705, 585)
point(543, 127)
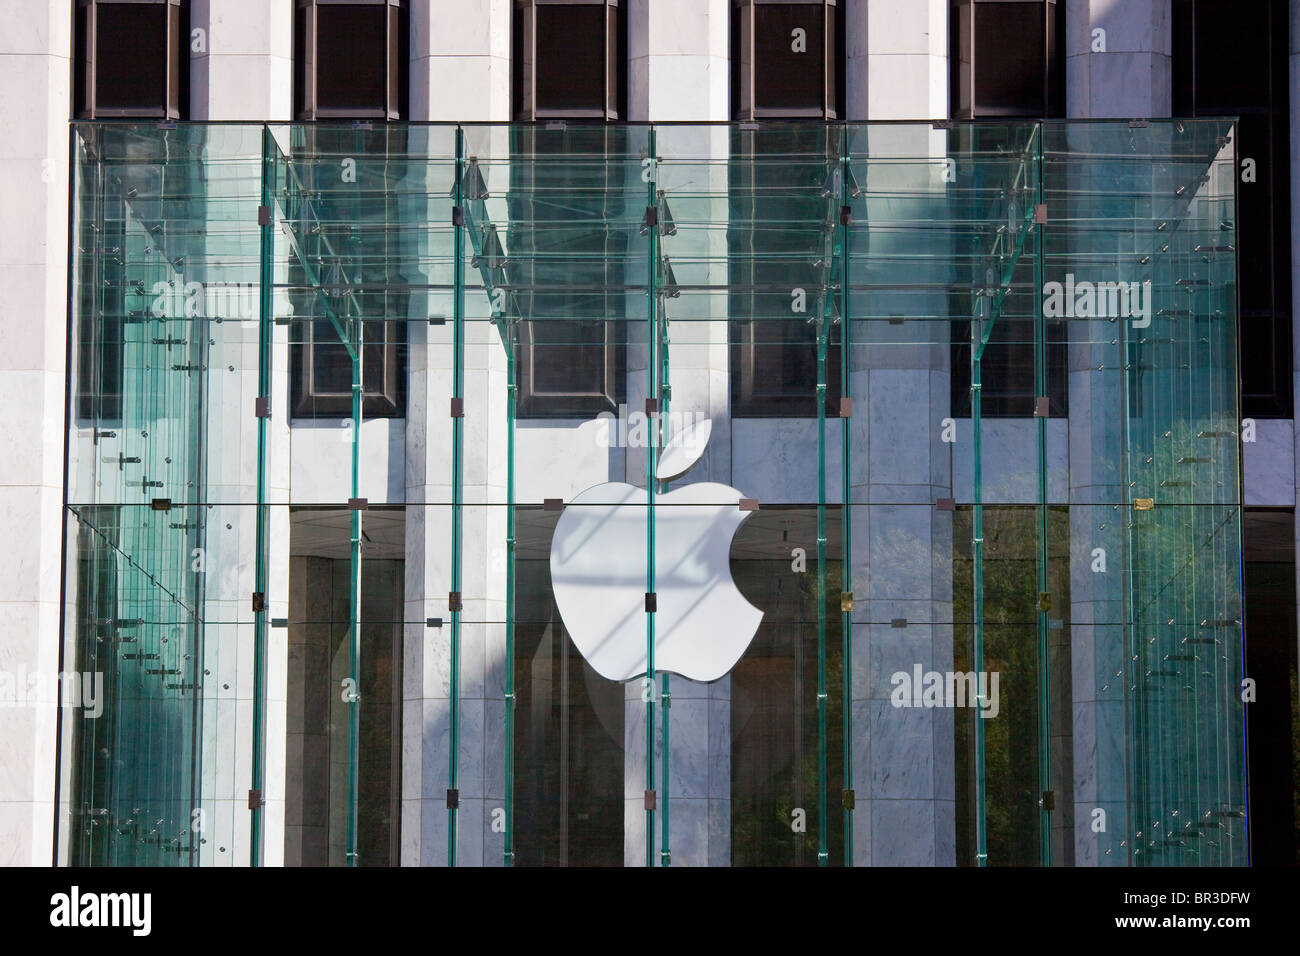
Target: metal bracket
point(651, 802)
point(160, 504)
point(748, 504)
point(454, 602)
point(259, 602)
point(255, 800)
point(651, 602)
point(453, 798)
point(263, 215)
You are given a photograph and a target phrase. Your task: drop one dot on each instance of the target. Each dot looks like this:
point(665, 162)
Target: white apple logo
point(598, 573)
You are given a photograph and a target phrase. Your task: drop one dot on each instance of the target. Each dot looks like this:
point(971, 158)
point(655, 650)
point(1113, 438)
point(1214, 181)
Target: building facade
point(899, 377)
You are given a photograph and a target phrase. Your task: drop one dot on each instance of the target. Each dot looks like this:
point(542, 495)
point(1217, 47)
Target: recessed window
point(322, 369)
point(130, 59)
point(570, 367)
point(1230, 59)
point(782, 290)
point(343, 242)
point(570, 60)
point(1007, 58)
point(571, 311)
point(351, 60)
point(786, 58)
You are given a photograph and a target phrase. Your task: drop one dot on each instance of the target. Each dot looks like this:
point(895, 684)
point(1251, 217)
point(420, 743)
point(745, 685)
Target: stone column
point(35, 74)
point(897, 59)
point(460, 60)
point(246, 72)
point(460, 70)
point(1123, 70)
point(902, 547)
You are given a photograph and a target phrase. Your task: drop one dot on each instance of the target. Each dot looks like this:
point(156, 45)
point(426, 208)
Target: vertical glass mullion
point(846, 513)
point(1041, 392)
point(457, 464)
point(979, 318)
point(510, 342)
point(261, 557)
point(652, 390)
point(356, 336)
point(661, 307)
point(823, 335)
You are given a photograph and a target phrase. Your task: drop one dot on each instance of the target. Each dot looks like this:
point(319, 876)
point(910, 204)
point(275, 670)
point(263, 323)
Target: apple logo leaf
point(684, 450)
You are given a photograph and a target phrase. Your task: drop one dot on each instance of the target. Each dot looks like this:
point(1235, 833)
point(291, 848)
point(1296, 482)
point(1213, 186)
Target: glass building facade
point(377, 451)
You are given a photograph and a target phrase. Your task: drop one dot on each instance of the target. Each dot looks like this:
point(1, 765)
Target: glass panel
point(860, 622)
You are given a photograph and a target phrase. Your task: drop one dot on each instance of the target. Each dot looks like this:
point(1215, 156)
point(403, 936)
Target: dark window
point(1268, 568)
point(322, 367)
point(774, 759)
point(1007, 58)
point(570, 62)
point(342, 239)
point(570, 312)
point(782, 287)
point(351, 60)
point(1230, 59)
point(101, 305)
point(319, 632)
point(570, 367)
point(570, 59)
point(130, 59)
point(1013, 782)
point(787, 59)
point(1007, 382)
point(569, 728)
